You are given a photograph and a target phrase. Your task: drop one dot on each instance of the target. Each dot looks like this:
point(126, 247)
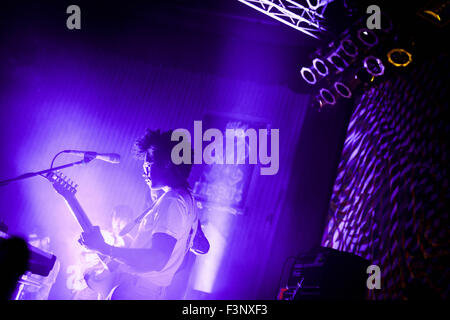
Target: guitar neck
point(86, 225)
point(67, 191)
point(78, 213)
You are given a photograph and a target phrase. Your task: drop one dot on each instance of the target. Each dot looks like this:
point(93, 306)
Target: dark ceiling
point(194, 35)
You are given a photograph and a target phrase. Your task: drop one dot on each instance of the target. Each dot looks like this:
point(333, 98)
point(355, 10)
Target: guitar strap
point(130, 226)
point(190, 238)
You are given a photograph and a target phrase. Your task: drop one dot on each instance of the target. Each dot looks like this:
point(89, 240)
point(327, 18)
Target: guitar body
point(114, 285)
point(103, 283)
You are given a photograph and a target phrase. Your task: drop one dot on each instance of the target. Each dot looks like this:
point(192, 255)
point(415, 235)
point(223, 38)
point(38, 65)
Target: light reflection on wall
point(207, 266)
point(221, 188)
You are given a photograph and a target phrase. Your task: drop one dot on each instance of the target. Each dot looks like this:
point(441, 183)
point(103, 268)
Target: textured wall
point(391, 197)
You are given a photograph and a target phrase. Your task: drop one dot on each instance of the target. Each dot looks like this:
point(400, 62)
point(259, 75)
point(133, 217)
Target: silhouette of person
point(43, 284)
point(14, 260)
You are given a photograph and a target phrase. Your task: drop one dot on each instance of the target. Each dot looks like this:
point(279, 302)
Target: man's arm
point(144, 260)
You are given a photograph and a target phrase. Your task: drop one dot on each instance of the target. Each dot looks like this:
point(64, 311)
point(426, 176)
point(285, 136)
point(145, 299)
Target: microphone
point(108, 157)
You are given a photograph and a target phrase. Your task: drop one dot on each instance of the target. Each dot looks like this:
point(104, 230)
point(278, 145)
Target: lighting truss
point(305, 18)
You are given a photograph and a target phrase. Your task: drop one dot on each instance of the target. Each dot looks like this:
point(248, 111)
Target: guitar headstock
point(62, 184)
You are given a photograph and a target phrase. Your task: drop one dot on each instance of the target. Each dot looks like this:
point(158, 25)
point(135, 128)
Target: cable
point(54, 158)
point(282, 269)
point(53, 161)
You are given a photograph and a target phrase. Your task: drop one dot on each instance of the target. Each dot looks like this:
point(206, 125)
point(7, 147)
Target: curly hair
point(160, 145)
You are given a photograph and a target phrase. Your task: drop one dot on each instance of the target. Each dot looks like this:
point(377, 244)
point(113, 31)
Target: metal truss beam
point(307, 19)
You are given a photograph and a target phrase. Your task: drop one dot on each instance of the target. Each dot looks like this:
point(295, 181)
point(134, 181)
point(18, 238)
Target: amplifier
point(326, 274)
point(40, 262)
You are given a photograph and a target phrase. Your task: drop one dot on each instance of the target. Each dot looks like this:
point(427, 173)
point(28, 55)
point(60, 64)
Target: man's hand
point(94, 240)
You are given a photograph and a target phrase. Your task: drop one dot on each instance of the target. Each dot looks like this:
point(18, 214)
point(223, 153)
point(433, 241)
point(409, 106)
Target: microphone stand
point(86, 159)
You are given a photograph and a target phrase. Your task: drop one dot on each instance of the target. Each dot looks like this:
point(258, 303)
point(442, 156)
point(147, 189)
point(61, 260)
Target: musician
point(166, 232)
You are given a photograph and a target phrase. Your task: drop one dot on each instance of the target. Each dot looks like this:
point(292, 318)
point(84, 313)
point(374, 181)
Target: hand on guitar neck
point(94, 240)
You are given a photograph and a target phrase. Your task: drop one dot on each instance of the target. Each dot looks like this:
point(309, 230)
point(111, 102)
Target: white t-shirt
point(173, 214)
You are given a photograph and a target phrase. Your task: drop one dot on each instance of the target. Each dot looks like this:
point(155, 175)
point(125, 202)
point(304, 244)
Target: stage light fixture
point(308, 75)
point(367, 37)
point(374, 66)
point(320, 67)
point(327, 96)
point(349, 48)
point(437, 12)
point(337, 61)
point(307, 18)
point(342, 90)
point(399, 57)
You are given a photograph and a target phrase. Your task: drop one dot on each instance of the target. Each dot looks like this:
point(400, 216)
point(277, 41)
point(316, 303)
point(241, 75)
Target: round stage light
point(342, 90)
point(399, 57)
point(320, 67)
point(327, 96)
point(367, 37)
point(349, 48)
point(308, 75)
point(337, 61)
point(374, 66)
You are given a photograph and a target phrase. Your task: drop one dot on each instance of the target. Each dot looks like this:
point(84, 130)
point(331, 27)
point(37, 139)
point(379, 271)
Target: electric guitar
point(105, 283)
